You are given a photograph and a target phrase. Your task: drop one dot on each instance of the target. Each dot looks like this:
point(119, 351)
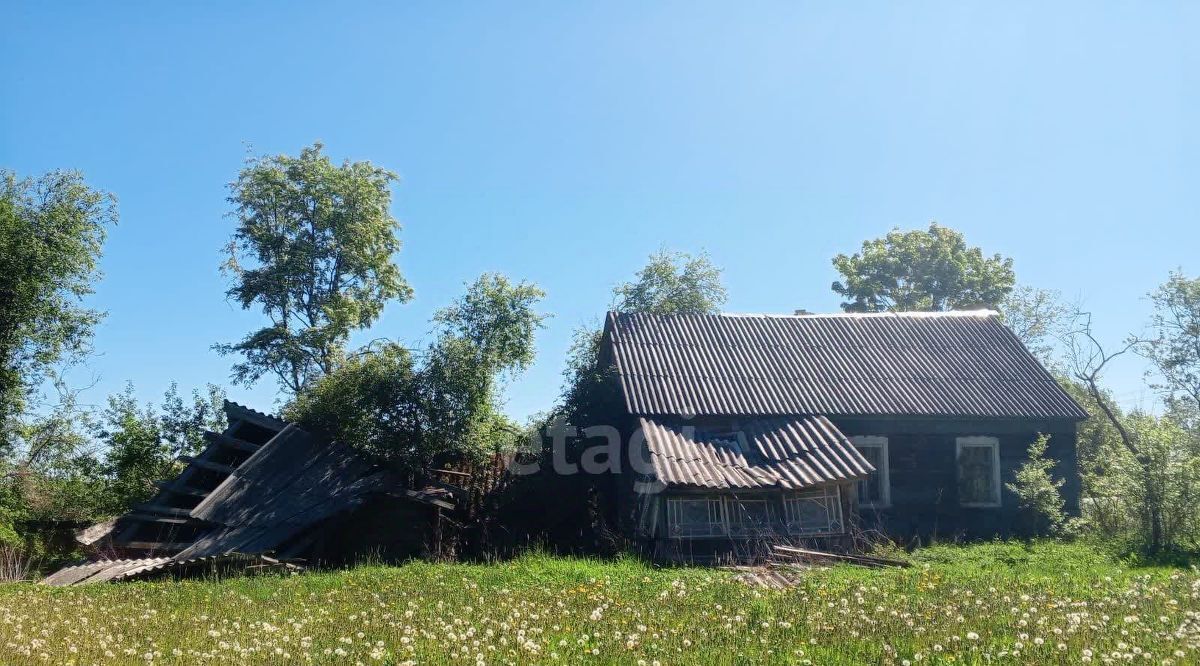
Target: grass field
point(993, 603)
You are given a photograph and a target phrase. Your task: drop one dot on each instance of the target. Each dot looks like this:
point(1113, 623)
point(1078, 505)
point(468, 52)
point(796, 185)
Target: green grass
point(990, 603)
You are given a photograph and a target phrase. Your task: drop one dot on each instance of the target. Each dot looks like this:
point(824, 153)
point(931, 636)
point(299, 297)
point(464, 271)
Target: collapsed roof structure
point(264, 493)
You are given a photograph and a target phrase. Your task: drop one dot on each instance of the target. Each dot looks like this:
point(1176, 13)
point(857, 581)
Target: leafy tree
point(142, 443)
point(52, 471)
point(924, 271)
point(586, 380)
point(417, 412)
point(1096, 435)
point(1036, 317)
point(313, 249)
point(499, 319)
point(1174, 348)
point(1151, 504)
point(1038, 492)
point(52, 230)
point(669, 283)
point(137, 456)
point(1152, 472)
point(673, 283)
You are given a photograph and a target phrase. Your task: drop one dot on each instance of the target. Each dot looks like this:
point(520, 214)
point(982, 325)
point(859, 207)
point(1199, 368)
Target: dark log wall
point(923, 475)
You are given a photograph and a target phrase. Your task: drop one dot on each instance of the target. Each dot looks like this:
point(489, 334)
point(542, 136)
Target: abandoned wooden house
point(738, 433)
point(747, 429)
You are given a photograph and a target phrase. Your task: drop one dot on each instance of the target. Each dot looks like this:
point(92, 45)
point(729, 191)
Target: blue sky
point(564, 142)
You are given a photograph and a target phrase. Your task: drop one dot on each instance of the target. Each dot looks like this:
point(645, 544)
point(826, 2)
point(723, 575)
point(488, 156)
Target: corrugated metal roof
point(103, 571)
point(290, 484)
point(100, 571)
point(789, 453)
point(888, 364)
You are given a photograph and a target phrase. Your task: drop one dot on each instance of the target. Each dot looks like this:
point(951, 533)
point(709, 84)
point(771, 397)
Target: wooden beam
point(231, 442)
point(155, 545)
point(160, 509)
point(427, 499)
point(148, 518)
point(204, 464)
point(180, 489)
point(452, 472)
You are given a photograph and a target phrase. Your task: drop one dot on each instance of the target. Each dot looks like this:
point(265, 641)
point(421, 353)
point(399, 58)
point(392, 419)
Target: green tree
point(1038, 492)
point(669, 283)
point(418, 412)
point(673, 283)
point(1036, 316)
point(1174, 348)
point(922, 271)
point(52, 472)
point(142, 443)
point(499, 319)
point(52, 231)
point(313, 249)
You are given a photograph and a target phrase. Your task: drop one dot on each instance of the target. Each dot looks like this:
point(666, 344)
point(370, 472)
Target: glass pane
point(695, 517)
point(976, 476)
point(812, 514)
point(694, 512)
point(753, 515)
point(870, 489)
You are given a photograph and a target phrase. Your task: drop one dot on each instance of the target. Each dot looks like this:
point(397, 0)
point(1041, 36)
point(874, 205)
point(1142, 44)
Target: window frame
point(827, 493)
point(735, 526)
point(884, 470)
point(674, 509)
point(980, 441)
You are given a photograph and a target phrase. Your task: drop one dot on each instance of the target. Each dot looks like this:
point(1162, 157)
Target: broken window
point(817, 511)
point(748, 516)
point(696, 517)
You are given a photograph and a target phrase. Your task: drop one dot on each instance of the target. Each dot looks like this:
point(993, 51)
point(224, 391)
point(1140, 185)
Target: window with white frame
point(817, 511)
point(748, 516)
point(978, 471)
point(875, 491)
point(696, 516)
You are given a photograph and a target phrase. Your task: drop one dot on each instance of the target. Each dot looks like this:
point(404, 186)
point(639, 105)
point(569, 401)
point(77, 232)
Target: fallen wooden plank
point(791, 552)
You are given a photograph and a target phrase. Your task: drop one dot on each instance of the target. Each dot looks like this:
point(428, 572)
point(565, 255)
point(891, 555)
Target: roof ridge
point(939, 314)
point(240, 407)
point(978, 313)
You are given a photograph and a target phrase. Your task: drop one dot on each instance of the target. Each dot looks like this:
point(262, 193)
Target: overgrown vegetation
point(416, 410)
point(313, 248)
point(1044, 603)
